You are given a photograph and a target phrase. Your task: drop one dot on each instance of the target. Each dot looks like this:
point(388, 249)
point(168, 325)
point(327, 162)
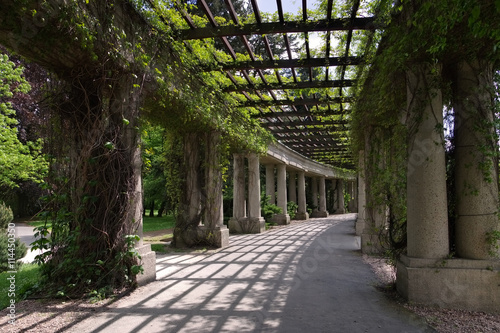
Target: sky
point(291, 6)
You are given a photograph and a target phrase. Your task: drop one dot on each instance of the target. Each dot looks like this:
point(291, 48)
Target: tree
point(18, 161)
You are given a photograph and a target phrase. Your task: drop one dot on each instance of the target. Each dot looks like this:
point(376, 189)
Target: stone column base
point(319, 214)
point(281, 219)
point(202, 236)
point(360, 226)
point(148, 262)
point(247, 225)
point(340, 211)
point(218, 236)
point(370, 244)
point(301, 216)
point(450, 283)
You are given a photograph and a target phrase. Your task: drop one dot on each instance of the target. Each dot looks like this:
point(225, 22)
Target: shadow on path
point(308, 277)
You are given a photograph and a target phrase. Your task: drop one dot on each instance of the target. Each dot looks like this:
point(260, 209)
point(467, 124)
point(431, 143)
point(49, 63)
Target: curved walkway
point(307, 277)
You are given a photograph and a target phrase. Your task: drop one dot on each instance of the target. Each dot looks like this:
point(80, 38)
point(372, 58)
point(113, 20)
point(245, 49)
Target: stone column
point(360, 222)
point(352, 196)
point(314, 190)
point(340, 197)
point(476, 175)
point(283, 218)
point(320, 185)
point(214, 230)
point(239, 209)
point(427, 213)
point(270, 188)
point(302, 213)
point(255, 219)
point(292, 186)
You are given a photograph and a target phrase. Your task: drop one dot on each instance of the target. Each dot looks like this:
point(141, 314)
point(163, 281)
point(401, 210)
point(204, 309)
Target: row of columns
point(252, 222)
point(475, 171)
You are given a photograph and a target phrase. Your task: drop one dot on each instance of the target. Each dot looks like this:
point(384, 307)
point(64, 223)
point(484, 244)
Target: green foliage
point(18, 161)
point(11, 250)
point(68, 273)
point(493, 239)
point(268, 209)
point(27, 278)
point(291, 208)
point(158, 223)
point(6, 215)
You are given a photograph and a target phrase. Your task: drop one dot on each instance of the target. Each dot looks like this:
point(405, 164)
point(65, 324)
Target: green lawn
point(158, 223)
point(150, 223)
point(27, 276)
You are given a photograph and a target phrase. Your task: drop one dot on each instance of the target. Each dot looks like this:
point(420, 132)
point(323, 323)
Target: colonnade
point(283, 183)
point(463, 273)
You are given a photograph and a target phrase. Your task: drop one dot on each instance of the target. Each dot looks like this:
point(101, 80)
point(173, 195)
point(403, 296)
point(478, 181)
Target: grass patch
point(159, 248)
point(158, 223)
point(150, 223)
point(27, 276)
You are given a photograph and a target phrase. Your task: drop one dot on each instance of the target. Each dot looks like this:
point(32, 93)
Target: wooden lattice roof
point(307, 104)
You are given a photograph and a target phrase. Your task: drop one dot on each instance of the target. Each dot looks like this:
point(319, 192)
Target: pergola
point(303, 99)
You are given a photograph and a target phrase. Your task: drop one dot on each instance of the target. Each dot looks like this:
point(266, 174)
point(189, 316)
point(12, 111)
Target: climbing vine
point(435, 33)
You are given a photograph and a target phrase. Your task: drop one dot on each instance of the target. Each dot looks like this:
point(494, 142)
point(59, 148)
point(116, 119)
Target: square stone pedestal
point(247, 225)
point(360, 226)
point(319, 214)
point(148, 262)
point(301, 216)
point(218, 237)
point(281, 219)
point(450, 283)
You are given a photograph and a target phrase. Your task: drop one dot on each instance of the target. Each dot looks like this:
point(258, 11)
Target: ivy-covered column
point(340, 197)
point(302, 213)
point(372, 236)
point(270, 184)
point(427, 213)
point(239, 209)
point(255, 219)
point(282, 218)
point(190, 204)
point(214, 230)
point(476, 176)
point(360, 222)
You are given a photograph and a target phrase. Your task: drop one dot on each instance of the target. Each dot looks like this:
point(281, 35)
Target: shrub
point(268, 209)
point(291, 208)
point(19, 251)
point(6, 216)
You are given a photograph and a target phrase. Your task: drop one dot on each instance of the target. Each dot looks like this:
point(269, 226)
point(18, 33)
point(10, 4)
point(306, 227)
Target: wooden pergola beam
point(275, 64)
point(292, 85)
point(305, 101)
point(338, 24)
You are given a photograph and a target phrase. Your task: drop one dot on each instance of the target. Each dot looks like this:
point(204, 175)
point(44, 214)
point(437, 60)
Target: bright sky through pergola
point(292, 6)
point(289, 6)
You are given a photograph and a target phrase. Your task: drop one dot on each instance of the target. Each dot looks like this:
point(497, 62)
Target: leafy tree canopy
point(18, 161)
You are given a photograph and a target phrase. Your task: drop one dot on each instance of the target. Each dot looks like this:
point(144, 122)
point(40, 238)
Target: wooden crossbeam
point(338, 24)
point(305, 101)
point(270, 115)
point(292, 85)
point(328, 131)
point(304, 123)
point(271, 64)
